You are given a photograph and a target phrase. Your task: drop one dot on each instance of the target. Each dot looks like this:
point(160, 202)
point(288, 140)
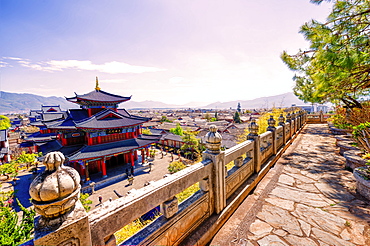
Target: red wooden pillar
point(87, 171)
point(132, 159)
point(142, 156)
point(99, 139)
point(135, 155)
point(147, 151)
point(126, 135)
point(104, 168)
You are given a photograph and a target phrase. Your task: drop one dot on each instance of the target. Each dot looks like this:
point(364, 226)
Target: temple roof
point(96, 151)
point(98, 96)
point(110, 119)
point(105, 119)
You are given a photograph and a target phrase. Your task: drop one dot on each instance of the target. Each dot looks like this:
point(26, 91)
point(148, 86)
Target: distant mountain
point(23, 103)
point(282, 100)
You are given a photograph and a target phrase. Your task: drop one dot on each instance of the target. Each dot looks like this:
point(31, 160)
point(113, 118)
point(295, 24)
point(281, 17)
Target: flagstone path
point(308, 198)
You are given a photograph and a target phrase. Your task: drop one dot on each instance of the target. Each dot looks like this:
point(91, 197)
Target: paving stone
point(308, 187)
point(318, 218)
point(259, 229)
point(334, 192)
point(283, 203)
point(288, 169)
point(300, 241)
point(272, 240)
point(312, 174)
point(306, 228)
point(323, 244)
point(329, 238)
point(345, 235)
point(285, 179)
point(299, 197)
point(280, 232)
point(357, 233)
point(280, 218)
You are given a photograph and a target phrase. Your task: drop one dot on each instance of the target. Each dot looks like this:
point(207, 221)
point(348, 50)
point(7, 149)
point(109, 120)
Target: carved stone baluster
point(214, 153)
point(253, 135)
point(55, 195)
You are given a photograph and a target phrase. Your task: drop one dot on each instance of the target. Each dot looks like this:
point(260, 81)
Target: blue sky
point(171, 51)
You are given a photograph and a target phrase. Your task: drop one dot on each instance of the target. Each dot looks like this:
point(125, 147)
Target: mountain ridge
point(23, 102)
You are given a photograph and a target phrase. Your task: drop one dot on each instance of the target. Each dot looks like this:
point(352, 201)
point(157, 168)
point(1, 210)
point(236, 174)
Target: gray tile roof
point(96, 151)
point(98, 121)
point(99, 96)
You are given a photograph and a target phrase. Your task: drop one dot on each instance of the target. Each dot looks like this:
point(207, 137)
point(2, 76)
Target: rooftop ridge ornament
point(97, 88)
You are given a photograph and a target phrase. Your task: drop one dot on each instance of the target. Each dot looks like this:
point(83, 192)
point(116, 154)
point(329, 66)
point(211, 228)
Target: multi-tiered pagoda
point(98, 136)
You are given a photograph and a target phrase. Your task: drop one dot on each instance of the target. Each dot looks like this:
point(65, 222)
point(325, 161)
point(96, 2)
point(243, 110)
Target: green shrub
point(176, 166)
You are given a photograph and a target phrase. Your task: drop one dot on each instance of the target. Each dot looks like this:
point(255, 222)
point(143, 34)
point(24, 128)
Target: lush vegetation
point(4, 122)
point(177, 130)
point(85, 201)
point(176, 166)
point(336, 66)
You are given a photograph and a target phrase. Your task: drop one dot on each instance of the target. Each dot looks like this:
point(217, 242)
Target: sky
point(175, 52)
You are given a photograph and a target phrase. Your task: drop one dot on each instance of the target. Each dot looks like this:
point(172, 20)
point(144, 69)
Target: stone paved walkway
point(308, 198)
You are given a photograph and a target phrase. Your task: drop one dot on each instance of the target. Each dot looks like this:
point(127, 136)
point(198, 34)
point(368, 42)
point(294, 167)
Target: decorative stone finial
point(288, 118)
point(97, 88)
point(253, 129)
point(281, 120)
point(271, 122)
point(55, 191)
point(213, 140)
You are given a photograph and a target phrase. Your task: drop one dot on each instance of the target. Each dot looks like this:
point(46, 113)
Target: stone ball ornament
point(213, 140)
point(55, 191)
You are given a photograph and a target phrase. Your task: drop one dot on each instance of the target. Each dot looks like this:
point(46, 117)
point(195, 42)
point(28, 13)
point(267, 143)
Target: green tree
point(336, 66)
point(237, 117)
point(85, 201)
point(165, 119)
point(207, 116)
point(4, 122)
point(190, 146)
point(216, 116)
point(28, 159)
point(146, 131)
point(8, 169)
point(177, 130)
point(13, 232)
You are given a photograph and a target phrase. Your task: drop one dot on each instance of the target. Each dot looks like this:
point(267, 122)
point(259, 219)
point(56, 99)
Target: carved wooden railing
point(221, 191)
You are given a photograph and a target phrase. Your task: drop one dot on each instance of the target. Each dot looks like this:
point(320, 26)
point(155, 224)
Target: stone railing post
point(253, 135)
point(321, 116)
point(282, 123)
point(271, 127)
point(214, 153)
point(55, 195)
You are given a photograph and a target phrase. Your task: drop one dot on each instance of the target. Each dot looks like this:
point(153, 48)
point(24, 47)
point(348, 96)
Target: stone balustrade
point(221, 191)
point(317, 118)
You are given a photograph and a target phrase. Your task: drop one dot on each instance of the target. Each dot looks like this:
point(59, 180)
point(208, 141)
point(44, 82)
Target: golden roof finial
point(97, 84)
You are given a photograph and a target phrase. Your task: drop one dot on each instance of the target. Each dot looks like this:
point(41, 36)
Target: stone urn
point(55, 191)
point(362, 176)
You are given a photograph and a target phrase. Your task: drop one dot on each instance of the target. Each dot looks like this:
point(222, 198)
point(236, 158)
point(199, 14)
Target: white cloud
point(4, 64)
point(113, 67)
point(12, 58)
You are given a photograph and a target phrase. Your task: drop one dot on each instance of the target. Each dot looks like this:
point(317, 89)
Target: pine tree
point(237, 117)
point(336, 66)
